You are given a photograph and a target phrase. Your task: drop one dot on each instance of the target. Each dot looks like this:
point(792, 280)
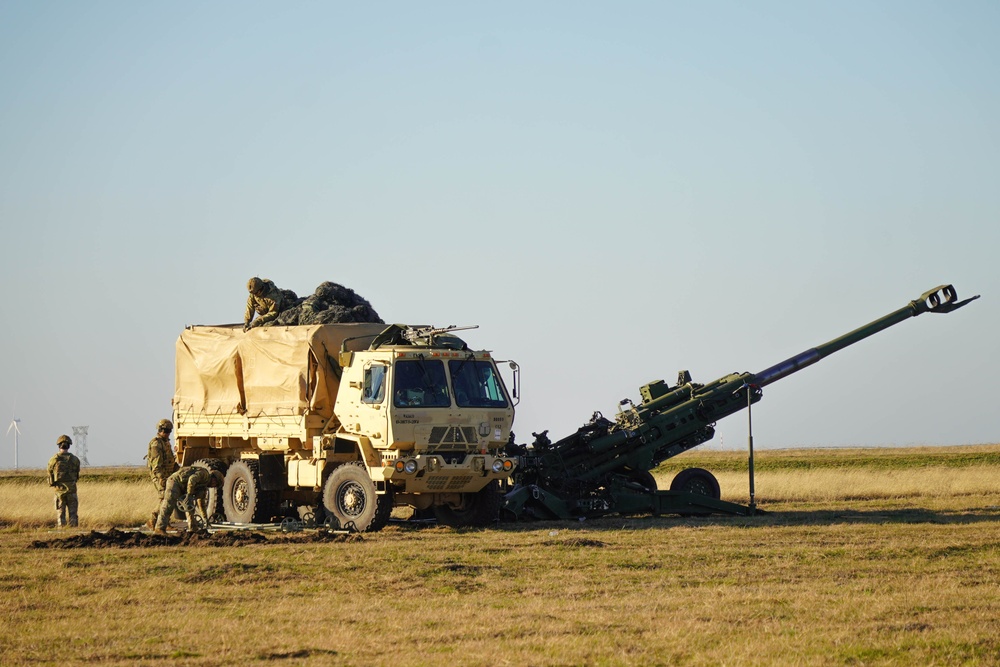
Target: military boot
point(152, 522)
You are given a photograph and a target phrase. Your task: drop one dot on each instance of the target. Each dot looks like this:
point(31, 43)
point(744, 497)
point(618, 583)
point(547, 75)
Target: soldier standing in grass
point(193, 481)
point(64, 471)
point(265, 300)
point(161, 461)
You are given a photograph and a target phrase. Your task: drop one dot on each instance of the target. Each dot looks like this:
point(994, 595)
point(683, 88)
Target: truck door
point(373, 413)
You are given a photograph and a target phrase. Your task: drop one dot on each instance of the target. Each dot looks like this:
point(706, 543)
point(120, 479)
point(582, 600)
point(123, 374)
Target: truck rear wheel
point(697, 481)
point(479, 509)
point(216, 512)
point(349, 496)
point(242, 497)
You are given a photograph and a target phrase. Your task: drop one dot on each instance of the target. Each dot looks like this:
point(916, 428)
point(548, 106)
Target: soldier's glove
point(246, 326)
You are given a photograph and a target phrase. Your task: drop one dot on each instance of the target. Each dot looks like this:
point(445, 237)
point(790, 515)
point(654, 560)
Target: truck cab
point(435, 414)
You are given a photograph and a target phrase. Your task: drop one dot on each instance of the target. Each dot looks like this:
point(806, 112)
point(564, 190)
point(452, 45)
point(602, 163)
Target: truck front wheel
point(478, 509)
point(349, 496)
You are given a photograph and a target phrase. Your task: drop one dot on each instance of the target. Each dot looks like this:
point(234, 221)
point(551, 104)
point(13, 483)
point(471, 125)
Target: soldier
point(193, 481)
point(64, 471)
point(161, 461)
point(265, 300)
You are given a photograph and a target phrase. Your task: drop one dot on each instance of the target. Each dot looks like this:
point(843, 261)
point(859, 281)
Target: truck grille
point(453, 435)
point(447, 483)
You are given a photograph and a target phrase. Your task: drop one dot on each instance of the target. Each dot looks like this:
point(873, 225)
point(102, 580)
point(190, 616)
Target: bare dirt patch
point(127, 539)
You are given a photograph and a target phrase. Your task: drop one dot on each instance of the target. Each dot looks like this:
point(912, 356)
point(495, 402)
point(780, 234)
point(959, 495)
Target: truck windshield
point(476, 384)
point(420, 383)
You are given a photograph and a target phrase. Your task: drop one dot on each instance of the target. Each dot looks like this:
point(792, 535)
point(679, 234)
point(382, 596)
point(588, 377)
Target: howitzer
point(604, 467)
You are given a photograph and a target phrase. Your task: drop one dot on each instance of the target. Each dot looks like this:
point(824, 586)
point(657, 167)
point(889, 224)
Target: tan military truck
point(346, 420)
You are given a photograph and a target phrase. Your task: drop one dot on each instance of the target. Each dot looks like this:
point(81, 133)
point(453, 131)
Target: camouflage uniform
point(192, 481)
point(267, 303)
point(64, 471)
point(162, 463)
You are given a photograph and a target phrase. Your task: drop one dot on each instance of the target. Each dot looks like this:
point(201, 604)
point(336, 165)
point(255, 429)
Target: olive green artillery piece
point(604, 467)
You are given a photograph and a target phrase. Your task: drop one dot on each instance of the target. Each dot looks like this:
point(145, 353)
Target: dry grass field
point(865, 557)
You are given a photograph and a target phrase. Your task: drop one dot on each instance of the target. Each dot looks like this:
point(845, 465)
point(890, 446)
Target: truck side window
point(374, 391)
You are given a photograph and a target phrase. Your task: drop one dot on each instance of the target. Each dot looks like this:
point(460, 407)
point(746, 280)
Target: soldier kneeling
point(193, 481)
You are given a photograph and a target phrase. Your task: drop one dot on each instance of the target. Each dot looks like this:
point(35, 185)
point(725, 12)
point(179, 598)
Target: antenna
point(17, 431)
point(80, 440)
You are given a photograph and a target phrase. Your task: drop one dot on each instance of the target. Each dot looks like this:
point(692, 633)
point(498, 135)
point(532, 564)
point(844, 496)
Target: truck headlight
point(498, 466)
point(407, 466)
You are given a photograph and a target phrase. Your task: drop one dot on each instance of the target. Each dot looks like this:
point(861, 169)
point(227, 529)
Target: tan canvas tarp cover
point(267, 371)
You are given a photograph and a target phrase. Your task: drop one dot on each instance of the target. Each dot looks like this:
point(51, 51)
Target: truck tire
point(216, 512)
point(480, 509)
point(242, 497)
point(349, 496)
point(696, 481)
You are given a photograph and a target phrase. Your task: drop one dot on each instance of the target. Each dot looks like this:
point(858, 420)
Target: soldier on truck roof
point(265, 300)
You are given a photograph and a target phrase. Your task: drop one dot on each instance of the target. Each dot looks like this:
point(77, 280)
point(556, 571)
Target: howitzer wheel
point(696, 481)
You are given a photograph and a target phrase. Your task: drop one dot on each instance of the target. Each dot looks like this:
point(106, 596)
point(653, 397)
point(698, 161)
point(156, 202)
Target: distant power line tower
point(80, 440)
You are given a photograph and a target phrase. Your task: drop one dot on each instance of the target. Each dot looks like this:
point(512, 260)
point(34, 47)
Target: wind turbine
point(17, 431)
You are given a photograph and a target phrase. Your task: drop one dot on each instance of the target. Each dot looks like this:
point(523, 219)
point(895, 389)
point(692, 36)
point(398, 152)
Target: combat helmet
point(255, 285)
point(218, 478)
point(164, 425)
point(63, 442)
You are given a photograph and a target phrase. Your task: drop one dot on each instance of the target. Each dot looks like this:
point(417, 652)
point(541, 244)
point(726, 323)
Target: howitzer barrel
point(941, 299)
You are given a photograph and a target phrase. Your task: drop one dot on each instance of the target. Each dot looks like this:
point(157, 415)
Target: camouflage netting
point(329, 304)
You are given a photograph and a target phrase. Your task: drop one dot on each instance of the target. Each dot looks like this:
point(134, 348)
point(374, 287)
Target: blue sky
point(611, 191)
